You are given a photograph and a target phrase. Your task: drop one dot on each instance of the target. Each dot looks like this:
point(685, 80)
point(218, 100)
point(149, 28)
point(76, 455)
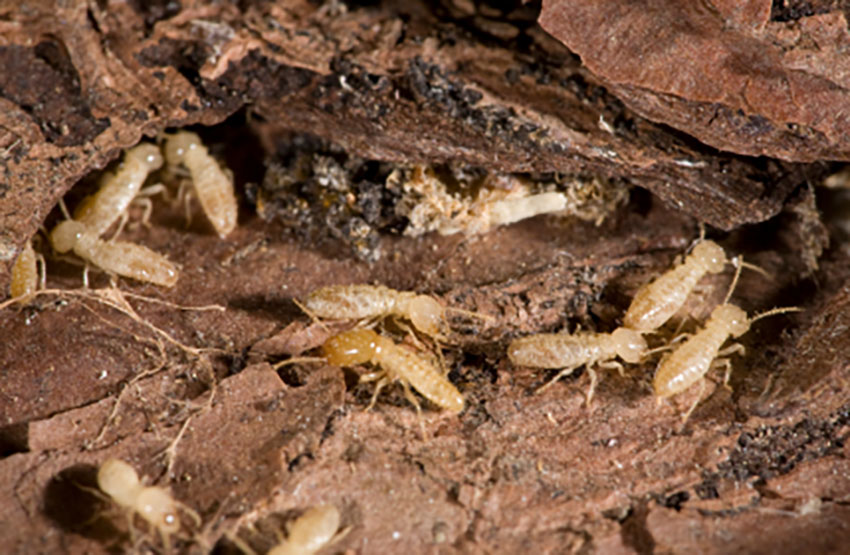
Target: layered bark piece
point(413, 83)
point(753, 77)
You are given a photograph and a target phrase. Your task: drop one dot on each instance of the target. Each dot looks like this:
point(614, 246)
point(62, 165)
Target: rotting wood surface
point(515, 471)
point(426, 83)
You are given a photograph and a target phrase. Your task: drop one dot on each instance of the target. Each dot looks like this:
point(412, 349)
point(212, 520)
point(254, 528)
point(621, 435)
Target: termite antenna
point(296, 360)
point(775, 311)
point(470, 313)
point(309, 313)
point(698, 240)
point(739, 261)
point(738, 266)
point(64, 209)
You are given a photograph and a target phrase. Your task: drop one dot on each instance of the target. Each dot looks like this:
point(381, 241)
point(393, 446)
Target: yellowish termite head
point(711, 254)
point(735, 318)
point(65, 235)
point(352, 347)
point(157, 507)
point(630, 344)
point(147, 154)
point(179, 144)
point(427, 315)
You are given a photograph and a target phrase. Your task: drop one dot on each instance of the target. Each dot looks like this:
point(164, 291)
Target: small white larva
point(100, 210)
point(568, 351)
point(213, 186)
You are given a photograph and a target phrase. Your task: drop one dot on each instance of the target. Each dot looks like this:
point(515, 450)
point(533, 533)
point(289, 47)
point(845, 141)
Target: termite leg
point(147, 210)
point(122, 221)
point(153, 190)
point(566, 371)
point(594, 378)
point(727, 373)
point(378, 387)
point(240, 543)
point(86, 275)
point(694, 406)
point(733, 348)
point(42, 271)
point(412, 399)
point(196, 518)
point(614, 365)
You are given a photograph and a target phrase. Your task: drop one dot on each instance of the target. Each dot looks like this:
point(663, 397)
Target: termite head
point(147, 154)
point(427, 315)
point(352, 347)
point(711, 255)
point(735, 319)
point(65, 235)
point(177, 145)
point(157, 507)
point(119, 481)
point(630, 344)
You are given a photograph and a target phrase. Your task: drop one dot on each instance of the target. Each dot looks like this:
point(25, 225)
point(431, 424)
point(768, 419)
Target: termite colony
point(653, 305)
point(318, 190)
point(96, 214)
point(398, 334)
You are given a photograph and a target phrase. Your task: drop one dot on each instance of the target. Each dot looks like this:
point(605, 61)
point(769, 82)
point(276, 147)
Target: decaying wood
point(189, 397)
point(391, 83)
point(755, 77)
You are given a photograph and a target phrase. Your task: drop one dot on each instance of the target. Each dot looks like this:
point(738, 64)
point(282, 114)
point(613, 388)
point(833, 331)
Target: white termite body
point(119, 257)
point(358, 302)
point(213, 186)
point(568, 351)
point(397, 364)
point(101, 209)
point(121, 483)
point(657, 301)
point(25, 274)
point(310, 532)
point(689, 362)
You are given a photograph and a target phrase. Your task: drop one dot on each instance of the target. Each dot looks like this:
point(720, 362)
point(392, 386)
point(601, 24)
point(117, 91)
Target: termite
point(359, 302)
point(119, 257)
point(689, 362)
point(155, 505)
point(100, 210)
point(213, 186)
point(25, 274)
point(397, 363)
point(310, 532)
point(316, 528)
point(657, 301)
point(569, 351)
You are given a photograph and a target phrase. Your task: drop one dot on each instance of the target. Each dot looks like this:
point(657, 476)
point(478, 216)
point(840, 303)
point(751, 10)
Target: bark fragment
point(748, 77)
